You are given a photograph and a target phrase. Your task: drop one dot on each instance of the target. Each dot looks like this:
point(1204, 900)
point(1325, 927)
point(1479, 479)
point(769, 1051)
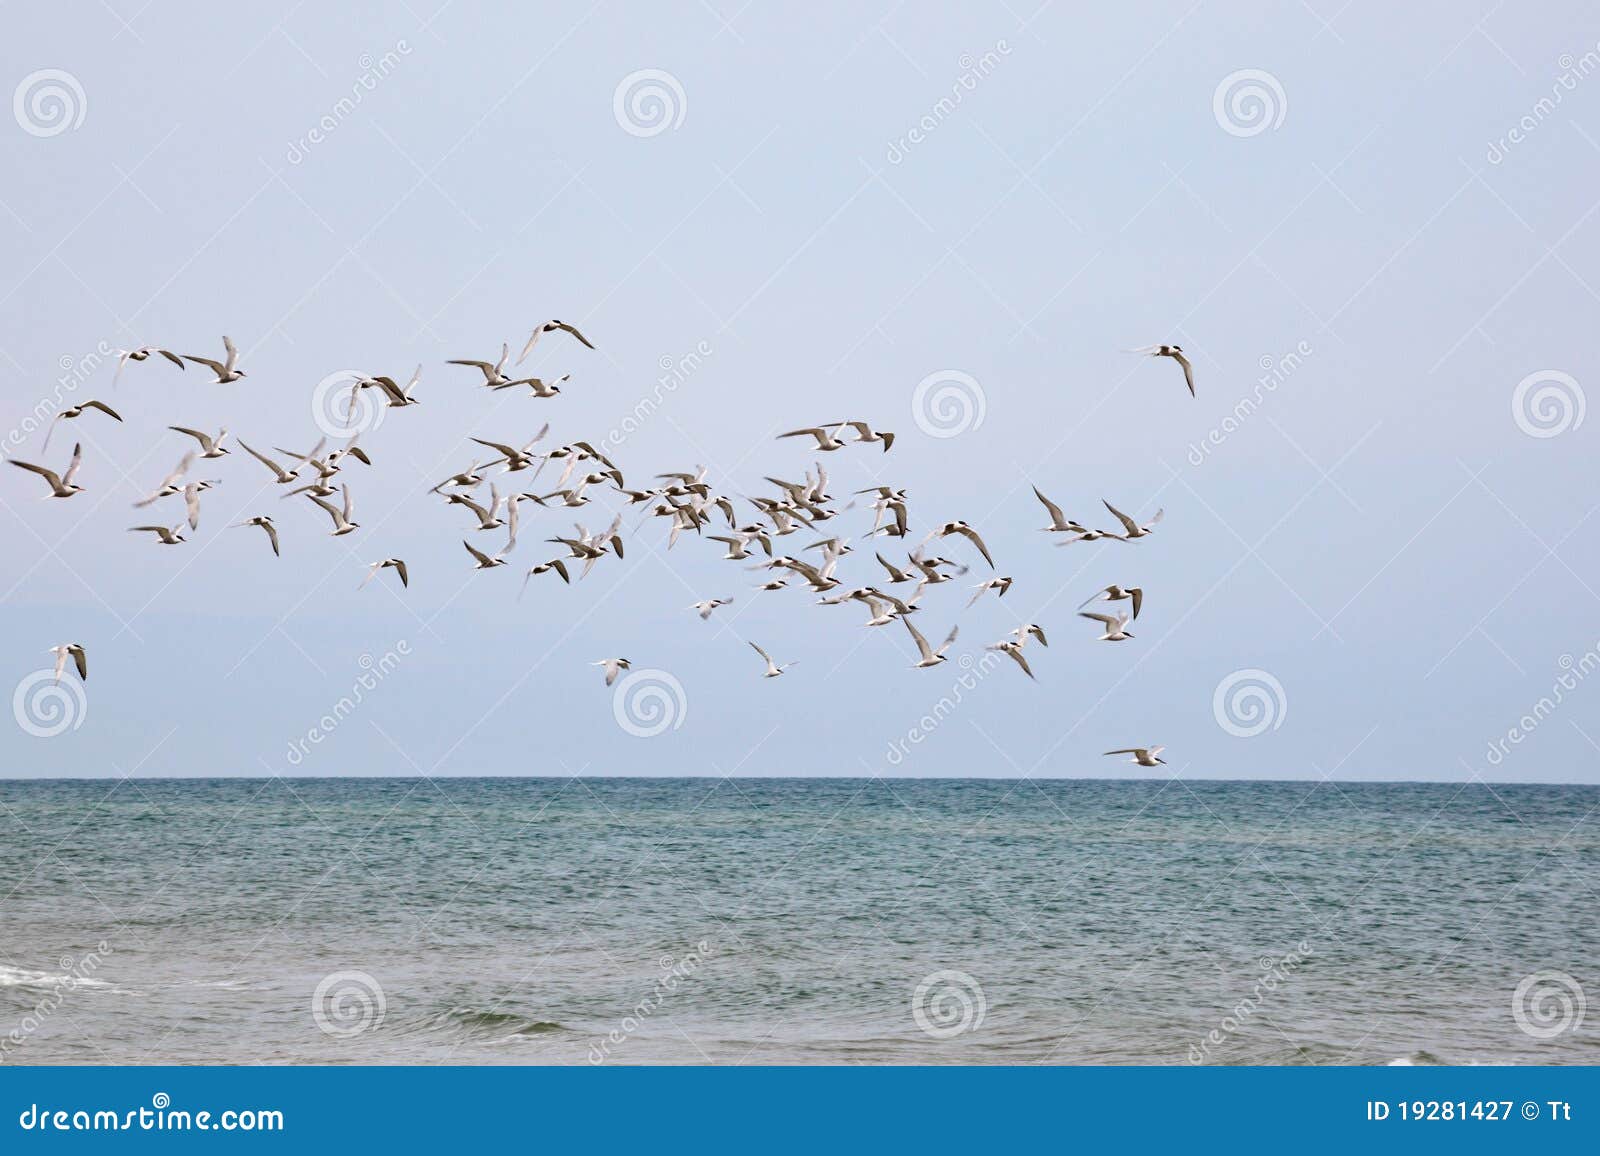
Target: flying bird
point(930, 657)
point(1014, 650)
point(550, 327)
point(283, 476)
point(706, 606)
point(77, 411)
point(1115, 593)
point(170, 485)
point(340, 514)
point(865, 433)
point(73, 650)
point(1134, 530)
point(169, 536)
point(226, 371)
point(493, 372)
point(826, 440)
point(614, 667)
point(1176, 353)
point(266, 524)
point(773, 669)
point(1144, 756)
point(1113, 623)
point(398, 565)
point(1059, 522)
point(210, 447)
point(966, 532)
point(997, 584)
point(555, 564)
point(142, 353)
point(61, 485)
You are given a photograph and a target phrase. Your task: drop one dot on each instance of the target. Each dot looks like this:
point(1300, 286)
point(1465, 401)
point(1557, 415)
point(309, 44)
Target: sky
point(1374, 230)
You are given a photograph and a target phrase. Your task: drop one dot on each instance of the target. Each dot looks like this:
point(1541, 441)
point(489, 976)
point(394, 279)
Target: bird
point(1014, 650)
point(614, 666)
point(266, 524)
point(226, 371)
point(773, 669)
point(1001, 585)
point(61, 485)
point(77, 411)
point(469, 479)
point(555, 564)
point(865, 433)
point(706, 606)
point(1134, 530)
point(538, 385)
point(143, 352)
point(1144, 756)
point(393, 393)
point(170, 485)
point(512, 458)
point(1022, 633)
point(493, 373)
point(168, 536)
point(550, 327)
point(930, 657)
point(210, 447)
point(1059, 522)
point(966, 532)
point(738, 545)
point(1115, 593)
point(1176, 353)
point(826, 441)
point(284, 476)
point(191, 501)
point(340, 514)
point(1114, 624)
point(75, 651)
point(895, 573)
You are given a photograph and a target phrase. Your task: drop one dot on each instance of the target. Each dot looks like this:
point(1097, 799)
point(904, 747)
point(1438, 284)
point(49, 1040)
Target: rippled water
point(641, 921)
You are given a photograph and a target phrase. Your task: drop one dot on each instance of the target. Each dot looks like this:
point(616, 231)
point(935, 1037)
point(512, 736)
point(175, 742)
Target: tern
point(493, 373)
point(773, 669)
point(191, 501)
point(393, 393)
point(1115, 593)
point(1014, 650)
point(169, 536)
point(1134, 530)
point(1059, 522)
point(77, 411)
point(210, 447)
point(1113, 623)
point(172, 484)
point(826, 440)
point(398, 565)
point(1176, 353)
point(73, 650)
point(555, 564)
point(998, 584)
point(142, 353)
point(966, 532)
point(61, 485)
point(284, 476)
point(614, 666)
point(342, 524)
point(468, 479)
point(550, 327)
point(1144, 756)
point(895, 573)
point(1022, 633)
point(706, 606)
point(538, 385)
point(266, 524)
point(865, 433)
point(739, 544)
point(226, 371)
point(930, 657)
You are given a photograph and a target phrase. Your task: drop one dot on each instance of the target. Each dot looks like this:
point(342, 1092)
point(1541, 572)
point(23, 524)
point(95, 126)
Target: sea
point(797, 921)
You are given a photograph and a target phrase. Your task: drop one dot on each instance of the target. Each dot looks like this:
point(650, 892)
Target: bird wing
point(215, 366)
point(1105, 618)
point(762, 653)
point(916, 636)
point(172, 357)
point(48, 475)
point(263, 459)
point(1188, 371)
point(233, 354)
point(1017, 656)
point(61, 660)
point(972, 535)
point(1057, 518)
point(1138, 599)
point(333, 511)
point(478, 554)
point(81, 659)
point(1126, 521)
point(103, 408)
point(949, 638)
point(272, 536)
point(1122, 751)
point(572, 329)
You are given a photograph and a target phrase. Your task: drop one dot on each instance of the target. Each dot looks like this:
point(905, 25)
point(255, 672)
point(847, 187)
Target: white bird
point(398, 565)
point(1115, 593)
point(266, 524)
point(865, 433)
point(706, 606)
point(493, 373)
point(930, 657)
point(555, 564)
point(191, 501)
point(340, 514)
point(738, 545)
point(881, 614)
point(773, 669)
point(284, 476)
point(169, 536)
point(1014, 649)
point(143, 352)
point(1114, 624)
point(488, 518)
point(966, 532)
point(998, 584)
point(1176, 353)
point(538, 385)
point(895, 573)
point(614, 666)
point(1144, 756)
point(550, 327)
point(468, 478)
point(210, 447)
point(393, 393)
point(826, 440)
point(75, 651)
point(77, 411)
point(226, 371)
point(170, 485)
point(1022, 633)
point(1059, 522)
point(1134, 530)
point(61, 485)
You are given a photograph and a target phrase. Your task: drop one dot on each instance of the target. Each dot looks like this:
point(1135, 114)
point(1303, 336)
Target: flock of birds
point(685, 499)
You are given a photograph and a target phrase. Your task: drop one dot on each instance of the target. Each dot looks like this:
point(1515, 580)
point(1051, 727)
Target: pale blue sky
point(1379, 535)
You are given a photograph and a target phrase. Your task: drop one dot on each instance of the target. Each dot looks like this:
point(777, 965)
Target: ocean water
point(822, 921)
